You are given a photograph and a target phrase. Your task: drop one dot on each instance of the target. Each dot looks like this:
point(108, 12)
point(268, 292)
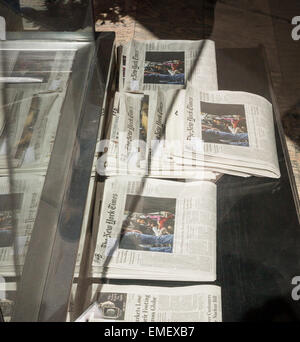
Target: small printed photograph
point(6, 210)
point(164, 68)
point(123, 68)
point(28, 128)
point(111, 306)
point(10, 204)
point(149, 224)
point(224, 124)
point(144, 118)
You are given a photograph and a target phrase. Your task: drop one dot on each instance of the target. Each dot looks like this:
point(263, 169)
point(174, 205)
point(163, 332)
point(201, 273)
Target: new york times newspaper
point(116, 303)
point(190, 134)
point(8, 292)
point(122, 56)
point(127, 144)
point(156, 229)
point(153, 64)
point(26, 194)
point(29, 146)
point(136, 139)
point(33, 111)
point(231, 132)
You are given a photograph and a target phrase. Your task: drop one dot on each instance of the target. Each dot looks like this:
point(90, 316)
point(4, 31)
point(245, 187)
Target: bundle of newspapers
point(34, 88)
point(169, 119)
point(18, 209)
point(156, 229)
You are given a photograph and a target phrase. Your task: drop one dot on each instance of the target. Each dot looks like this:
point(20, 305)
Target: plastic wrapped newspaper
point(117, 303)
point(32, 146)
point(8, 290)
point(190, 134)
point(148, 65)
point(156, 229)
point(48, 70)
point(18, 209)
point(32, 108)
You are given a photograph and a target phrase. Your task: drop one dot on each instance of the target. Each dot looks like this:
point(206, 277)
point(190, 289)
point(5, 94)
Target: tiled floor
point(230, 23)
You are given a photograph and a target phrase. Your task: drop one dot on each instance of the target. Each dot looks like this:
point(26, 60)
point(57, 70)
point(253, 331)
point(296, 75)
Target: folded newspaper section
point(18, 210)
point(155, 304)
point(156, 229)
point(32, 109)
point(8, 289)
point(190, 134)
point(148, 65)
point(228, 131)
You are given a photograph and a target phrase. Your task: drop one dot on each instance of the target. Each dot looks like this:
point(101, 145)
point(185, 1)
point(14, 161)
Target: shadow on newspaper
point(166, 19)
point(138, 209)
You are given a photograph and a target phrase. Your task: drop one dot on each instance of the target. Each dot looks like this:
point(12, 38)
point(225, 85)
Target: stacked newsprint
point(33, 88)
point(158, 230)
point(169, 121)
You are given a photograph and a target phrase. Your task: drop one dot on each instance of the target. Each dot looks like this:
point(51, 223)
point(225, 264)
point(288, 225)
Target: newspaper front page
point(225, 129)
point(26, 192)
point(190, 134)
point(136, 135)
point(169, 64)
point(33, 108)
point(156, 229)
point(8, 290)
point(117, 303)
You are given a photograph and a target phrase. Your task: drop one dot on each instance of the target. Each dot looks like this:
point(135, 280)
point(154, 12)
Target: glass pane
point(42, 83)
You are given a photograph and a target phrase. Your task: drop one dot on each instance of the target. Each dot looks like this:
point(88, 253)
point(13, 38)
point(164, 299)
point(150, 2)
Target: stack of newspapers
point(169, 119)
point(157, 229)
point(33, 89)
point(153, 229)
point(170, 134)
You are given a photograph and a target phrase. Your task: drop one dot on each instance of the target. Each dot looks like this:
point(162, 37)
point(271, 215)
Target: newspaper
point(24, 196)
point(122, 56)
point(223, 129)
point(2, 114)
point(32, 109)
point(191, 134)
point(8, 289)
point(117, 303)
point(156, 229)
point(131, 134)
point(169, 64)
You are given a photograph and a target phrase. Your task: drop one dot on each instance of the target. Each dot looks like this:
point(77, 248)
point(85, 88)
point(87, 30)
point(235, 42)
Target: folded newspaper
point(18, 209)
point(170, 121)
point(155, 304)
point(190, 134)
point(156, 229)
point(170, 64)
point(32, 109)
